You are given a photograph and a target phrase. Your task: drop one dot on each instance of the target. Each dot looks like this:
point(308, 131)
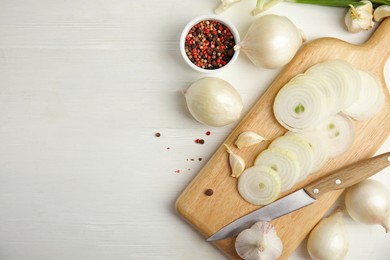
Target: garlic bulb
point(271, 41)
point(213, 101)
point(329, 239)
point(248, 138)
point(259, 242)
point(369, 202)
point(360, 18)
point(237, 164)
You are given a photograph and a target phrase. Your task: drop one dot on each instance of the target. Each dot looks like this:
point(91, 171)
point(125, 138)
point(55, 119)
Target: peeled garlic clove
point(359, 18)
point(259, 242)
point(213, 101)
point(237, 164)
point(329, 239)
point(248, 138)
point(271, 41)
point(381, 12)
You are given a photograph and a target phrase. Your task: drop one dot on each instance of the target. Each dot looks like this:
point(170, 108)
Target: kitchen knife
point(339, 179)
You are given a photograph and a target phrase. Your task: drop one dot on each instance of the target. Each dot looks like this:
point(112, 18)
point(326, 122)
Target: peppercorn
point(209, 45)
point(209, 192)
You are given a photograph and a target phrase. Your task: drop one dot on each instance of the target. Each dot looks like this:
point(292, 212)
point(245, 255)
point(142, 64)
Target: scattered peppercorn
point(209, 45)
point(209, 192)
point(208, 133)
point(199, 141)
point(200, 159)
point(157, 134)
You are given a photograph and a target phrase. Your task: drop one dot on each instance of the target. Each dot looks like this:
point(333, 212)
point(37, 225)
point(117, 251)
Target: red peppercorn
point(205, 40)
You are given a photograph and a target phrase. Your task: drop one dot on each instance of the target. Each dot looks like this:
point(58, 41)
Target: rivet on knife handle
point(348, 175)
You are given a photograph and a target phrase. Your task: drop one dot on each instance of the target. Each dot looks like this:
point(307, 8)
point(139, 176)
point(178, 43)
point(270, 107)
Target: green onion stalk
point(262, 5)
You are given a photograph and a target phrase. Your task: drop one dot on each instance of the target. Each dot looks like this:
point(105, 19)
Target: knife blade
point(339, 179)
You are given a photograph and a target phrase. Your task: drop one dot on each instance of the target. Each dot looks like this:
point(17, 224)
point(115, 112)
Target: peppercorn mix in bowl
point(207, 43)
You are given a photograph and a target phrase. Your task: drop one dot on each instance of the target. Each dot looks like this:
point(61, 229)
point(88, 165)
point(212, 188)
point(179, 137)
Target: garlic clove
point(259, 242)
point(237, 164)
point(329, 238)
point(381, 12)
point(248, 138)
point(360, 18)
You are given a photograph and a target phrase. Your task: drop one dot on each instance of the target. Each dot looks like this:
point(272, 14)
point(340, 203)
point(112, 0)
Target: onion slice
point(343, 77)
point(259, 185)
point(325, 87)
point(371, 98)
point(339, 132)
point(299, 106)
point(302, 150)
point(283, 162)
point(317, 141)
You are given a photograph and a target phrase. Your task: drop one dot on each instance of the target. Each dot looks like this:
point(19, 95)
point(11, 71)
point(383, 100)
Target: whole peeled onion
point(213, 101)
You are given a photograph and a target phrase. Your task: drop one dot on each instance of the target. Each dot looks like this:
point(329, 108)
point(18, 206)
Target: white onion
point(325, 89)
point(271, 41)
point(316, 140)
point(213, 101)
point(259, 185)
point(351, 79)
point(343, 78)
point(339, 132)
point(370, 100)
point(302, 150)
point(369, 202)
point(329, 239)
point(324, 86)
point(284, 162)
point(299, 106)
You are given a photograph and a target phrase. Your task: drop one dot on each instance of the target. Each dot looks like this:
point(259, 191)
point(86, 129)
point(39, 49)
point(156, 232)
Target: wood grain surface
point(208, 214)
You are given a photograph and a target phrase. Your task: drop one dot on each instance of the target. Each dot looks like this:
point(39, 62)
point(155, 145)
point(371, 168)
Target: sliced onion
point(259, 185)
point(343, 77)
point(301, 149)
point(326, 89)
point(371, 98)
point(316, 140)
point(298, 106)
point(283, 162)
point(339, 132)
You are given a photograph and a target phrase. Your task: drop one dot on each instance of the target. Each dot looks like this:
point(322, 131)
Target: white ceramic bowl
point(198, 19)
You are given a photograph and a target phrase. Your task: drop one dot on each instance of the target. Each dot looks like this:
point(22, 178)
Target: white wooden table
point(84, 87)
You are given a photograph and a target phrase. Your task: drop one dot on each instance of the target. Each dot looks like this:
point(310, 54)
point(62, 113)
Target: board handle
point(379, 42)
point(349, 175)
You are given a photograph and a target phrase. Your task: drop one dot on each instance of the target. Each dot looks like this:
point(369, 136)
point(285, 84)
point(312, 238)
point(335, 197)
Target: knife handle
point(348, 175)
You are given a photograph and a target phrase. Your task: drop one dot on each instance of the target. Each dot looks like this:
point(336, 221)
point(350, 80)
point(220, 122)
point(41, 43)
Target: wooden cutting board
point(208, 214)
